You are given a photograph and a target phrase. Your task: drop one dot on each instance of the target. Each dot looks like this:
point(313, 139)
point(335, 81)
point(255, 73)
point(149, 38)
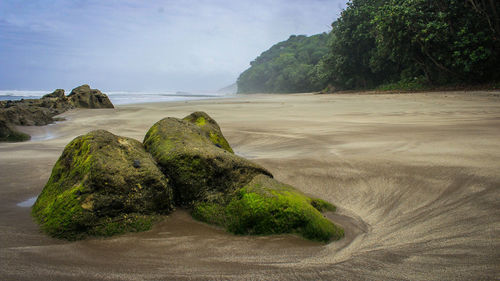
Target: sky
point(144, 45)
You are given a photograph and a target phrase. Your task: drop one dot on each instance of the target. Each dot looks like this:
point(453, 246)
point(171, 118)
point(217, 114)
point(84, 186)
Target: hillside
point(387, 44)
point(286, 67)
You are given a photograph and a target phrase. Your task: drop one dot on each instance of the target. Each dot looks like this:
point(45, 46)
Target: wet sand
point(416, 178)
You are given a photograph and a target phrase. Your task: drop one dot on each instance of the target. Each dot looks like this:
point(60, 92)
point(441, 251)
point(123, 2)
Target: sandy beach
point(415, 177)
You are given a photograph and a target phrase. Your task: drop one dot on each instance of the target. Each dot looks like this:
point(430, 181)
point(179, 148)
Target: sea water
point(122, 97)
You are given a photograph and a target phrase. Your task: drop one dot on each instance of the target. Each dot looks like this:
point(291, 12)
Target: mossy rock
point(102, 185)
point(197, 167)
point(9, 134)
point(210, 128)
point(267, 206)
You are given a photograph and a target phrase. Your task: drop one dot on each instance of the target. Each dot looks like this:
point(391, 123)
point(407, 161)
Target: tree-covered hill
point(286, 67)
point(395, 43)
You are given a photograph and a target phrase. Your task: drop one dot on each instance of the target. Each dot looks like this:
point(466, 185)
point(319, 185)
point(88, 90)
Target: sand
point(416, 179)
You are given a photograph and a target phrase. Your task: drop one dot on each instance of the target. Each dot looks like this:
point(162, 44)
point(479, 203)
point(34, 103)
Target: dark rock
point(39, 112)
point(26, 115)
point(7, 133)
point(58, 93)
point(197, 169)
point(84, 97)
point(96, 190)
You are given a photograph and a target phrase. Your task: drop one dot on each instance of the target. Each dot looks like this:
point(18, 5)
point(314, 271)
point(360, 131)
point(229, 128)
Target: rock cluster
point(105, 184)
point(39, 112)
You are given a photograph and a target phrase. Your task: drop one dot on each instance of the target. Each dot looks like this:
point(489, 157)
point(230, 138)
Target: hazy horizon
point(146, 46)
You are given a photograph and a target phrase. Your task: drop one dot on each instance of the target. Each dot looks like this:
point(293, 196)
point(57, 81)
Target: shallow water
point(27, 203)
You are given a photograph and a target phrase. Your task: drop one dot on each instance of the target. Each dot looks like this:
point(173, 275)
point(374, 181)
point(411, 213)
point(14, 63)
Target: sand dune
point(416, 178)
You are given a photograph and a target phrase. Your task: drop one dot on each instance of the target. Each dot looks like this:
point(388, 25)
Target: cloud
point(146, 45)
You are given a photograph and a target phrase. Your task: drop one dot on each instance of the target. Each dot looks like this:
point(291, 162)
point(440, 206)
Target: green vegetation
point(391, 44)
point(405, 85)
point(102, 185)
point(287, 67)
point(210, 128)
point(266, 206)
point(322, 205)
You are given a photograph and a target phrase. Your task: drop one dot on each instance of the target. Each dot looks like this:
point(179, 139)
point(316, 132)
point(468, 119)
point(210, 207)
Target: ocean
point(121, 97)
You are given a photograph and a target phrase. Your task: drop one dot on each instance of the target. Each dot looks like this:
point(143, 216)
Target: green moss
point(322, 205)
point(266, 206)
point(212, 213)
point(196, 167)
point(210, 128)
point(220, 141)
point(63, 217)
point(201, 121)
point(96, 190)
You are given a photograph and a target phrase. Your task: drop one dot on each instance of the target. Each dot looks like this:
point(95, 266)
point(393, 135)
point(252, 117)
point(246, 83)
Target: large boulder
point(267, 206)
point(198, 167)
point(102, 185)
point(85, 97)
point(7, 133)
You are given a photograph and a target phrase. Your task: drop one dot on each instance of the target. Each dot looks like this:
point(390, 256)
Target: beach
point(415, 178)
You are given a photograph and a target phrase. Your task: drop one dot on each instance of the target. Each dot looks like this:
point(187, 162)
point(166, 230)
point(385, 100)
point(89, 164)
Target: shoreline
point(414, 177)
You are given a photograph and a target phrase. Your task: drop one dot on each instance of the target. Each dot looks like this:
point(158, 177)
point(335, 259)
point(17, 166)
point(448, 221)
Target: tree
point(444, 40)
point(286, 67)
point(353, 47)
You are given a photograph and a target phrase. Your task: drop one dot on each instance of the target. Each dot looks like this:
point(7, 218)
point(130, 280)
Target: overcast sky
point(140, 45)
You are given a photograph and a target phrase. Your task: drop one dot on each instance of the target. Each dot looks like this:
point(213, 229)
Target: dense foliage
point(403, 43)
point(288, 66)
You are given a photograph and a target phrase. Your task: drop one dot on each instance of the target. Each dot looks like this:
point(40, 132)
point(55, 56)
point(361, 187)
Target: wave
point(120, 97)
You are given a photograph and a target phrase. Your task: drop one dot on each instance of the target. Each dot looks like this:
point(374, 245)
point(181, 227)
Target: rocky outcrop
point(58, 93)
point(105, 184)
point(7, 133)
point(84, 97)
point(39, 112)
point(23, 114)
point(197, 167)
point(102, 185)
